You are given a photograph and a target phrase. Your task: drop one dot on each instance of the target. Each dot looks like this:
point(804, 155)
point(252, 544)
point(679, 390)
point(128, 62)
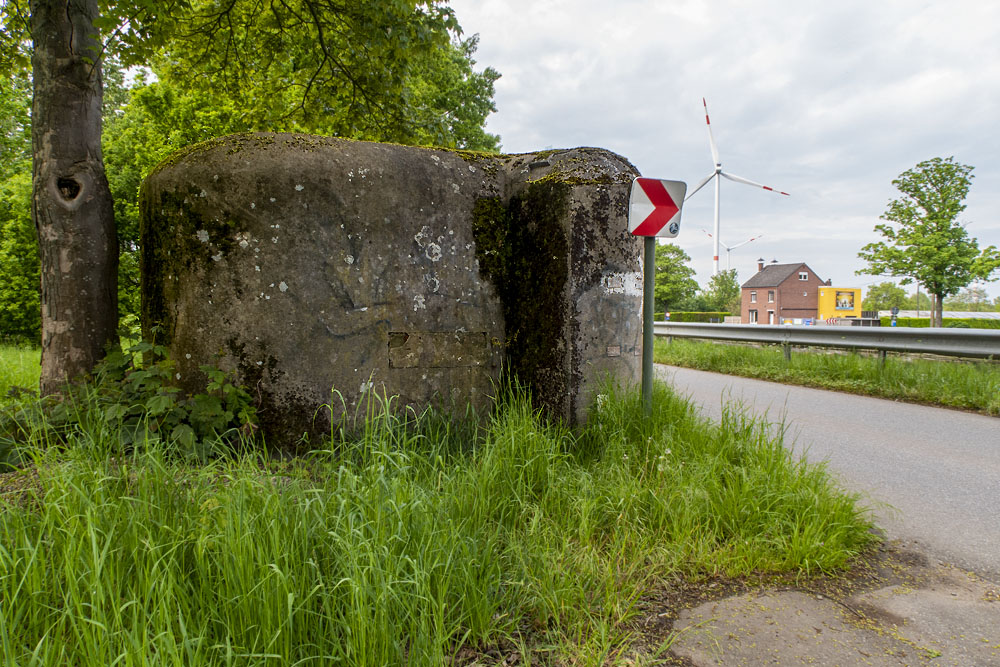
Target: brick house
point(780, 292)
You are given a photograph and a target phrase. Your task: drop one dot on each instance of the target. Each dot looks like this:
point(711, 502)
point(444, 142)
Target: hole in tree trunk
point(69, 187)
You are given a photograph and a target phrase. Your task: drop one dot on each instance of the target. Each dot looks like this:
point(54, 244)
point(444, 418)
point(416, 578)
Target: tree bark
point(71, 204)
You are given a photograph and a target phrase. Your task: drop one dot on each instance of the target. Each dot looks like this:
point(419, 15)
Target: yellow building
point(839, 302)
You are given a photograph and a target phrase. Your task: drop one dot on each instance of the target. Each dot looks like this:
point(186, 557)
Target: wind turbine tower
point(717, 175)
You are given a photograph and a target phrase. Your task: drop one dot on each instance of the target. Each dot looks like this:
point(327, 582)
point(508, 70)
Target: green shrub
point(134, 398)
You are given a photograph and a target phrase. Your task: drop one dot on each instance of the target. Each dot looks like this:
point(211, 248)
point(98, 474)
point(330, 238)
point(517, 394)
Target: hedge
point(697, 317)
point(924, 322)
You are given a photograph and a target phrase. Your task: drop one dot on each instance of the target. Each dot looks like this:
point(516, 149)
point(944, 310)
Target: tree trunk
point(71, 204)
point(938, 310)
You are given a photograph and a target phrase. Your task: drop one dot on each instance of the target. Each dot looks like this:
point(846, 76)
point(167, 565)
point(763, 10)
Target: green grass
point(405, 542)
point(18, 367)
point(959, 384)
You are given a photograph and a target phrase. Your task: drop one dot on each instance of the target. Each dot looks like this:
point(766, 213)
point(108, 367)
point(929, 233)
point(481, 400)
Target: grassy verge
point(967, 385)
point(18, 368)
point(412, 542)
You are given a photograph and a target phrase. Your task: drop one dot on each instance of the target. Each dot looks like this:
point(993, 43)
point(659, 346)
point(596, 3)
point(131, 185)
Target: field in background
point(970, 385)
point(18, 368)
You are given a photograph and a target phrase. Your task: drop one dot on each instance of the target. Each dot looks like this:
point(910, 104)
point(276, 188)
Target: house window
point(803, 275)
point(753, 297)
point(770, 296)
point(753, 317)
point(805, 294)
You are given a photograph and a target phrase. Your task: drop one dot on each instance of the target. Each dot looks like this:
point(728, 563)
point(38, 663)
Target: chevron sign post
point(654, 209)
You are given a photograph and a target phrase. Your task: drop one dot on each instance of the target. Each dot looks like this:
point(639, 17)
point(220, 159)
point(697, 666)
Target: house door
point(770, 317)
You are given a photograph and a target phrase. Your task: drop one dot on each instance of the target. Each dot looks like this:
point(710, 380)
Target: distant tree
point(918, 301)
point(20, 317)
point(723, 292)
point(675, 283)
point(924, 240)
point(15, 121)
point(884, 296)
point(972, 299)
point(696, 303)
point(19, 299)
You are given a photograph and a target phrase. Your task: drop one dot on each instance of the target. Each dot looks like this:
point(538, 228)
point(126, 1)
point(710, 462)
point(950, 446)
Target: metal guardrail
point(946, 342)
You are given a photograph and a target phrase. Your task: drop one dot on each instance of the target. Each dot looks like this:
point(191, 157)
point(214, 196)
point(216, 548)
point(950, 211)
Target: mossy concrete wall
point(309, 264)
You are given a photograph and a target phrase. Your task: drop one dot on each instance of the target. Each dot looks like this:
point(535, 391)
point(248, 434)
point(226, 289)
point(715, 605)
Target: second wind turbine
point(716, 174)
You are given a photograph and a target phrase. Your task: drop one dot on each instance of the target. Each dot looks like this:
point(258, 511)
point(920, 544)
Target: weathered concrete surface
point(309, 264)
point(949, 618)
point(954, 617)
point(780, 628)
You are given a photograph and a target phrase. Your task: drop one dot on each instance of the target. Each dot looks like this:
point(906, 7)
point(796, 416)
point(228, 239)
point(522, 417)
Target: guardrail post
point(881, 357)
point(787, 349)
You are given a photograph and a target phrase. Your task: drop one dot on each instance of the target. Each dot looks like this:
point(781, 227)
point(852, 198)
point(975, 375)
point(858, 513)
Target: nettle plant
point(134, 402)
point(135, 388)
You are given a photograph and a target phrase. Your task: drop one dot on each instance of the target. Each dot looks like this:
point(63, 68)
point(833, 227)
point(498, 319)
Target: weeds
point(132, 402)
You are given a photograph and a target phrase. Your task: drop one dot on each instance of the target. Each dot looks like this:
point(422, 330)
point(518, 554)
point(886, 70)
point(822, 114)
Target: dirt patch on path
point(893, 609)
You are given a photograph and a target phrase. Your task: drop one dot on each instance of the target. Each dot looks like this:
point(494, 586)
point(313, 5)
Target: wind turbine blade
point(752, 238)
point(700, 185)
point(707, 232)
point(743, 243)
point(711, 139)
point(746, 181)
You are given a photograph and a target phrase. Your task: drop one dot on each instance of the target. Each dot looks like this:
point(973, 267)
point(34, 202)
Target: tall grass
point(404, 542)
point(959, 384)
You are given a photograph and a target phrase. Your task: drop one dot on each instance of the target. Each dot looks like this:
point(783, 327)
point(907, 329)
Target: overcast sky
point(829, 101)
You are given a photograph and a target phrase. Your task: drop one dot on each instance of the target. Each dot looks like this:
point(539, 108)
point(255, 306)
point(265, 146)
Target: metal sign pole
point(654, 209)
point(648, 287)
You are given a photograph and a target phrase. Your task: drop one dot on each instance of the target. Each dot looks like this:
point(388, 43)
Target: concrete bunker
point(308, 264)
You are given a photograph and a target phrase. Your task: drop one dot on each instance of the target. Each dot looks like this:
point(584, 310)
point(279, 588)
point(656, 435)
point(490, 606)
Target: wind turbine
point(729, 249)
point(716, 174)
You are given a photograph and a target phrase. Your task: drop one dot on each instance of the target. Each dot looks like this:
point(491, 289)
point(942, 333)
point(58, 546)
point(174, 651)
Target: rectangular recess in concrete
point(437, 349)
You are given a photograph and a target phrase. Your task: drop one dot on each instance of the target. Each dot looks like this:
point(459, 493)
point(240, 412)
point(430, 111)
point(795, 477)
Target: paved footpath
point(940, 617)
point(934, 476)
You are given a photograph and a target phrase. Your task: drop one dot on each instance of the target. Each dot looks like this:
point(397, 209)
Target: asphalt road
point(933, 475)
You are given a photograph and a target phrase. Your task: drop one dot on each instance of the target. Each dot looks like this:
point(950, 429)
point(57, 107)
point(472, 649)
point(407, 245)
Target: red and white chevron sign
point(654, 207)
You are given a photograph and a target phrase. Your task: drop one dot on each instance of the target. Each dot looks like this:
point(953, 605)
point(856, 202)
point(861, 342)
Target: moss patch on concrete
point(193, 239)
point(523, 251)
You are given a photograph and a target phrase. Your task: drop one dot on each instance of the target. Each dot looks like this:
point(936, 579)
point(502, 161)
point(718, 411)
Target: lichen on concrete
point(304, 261)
